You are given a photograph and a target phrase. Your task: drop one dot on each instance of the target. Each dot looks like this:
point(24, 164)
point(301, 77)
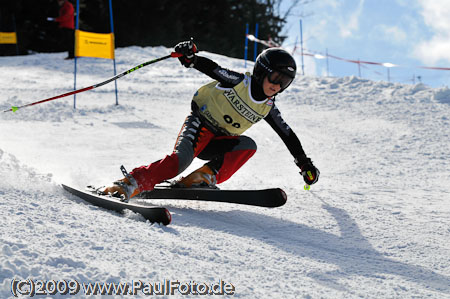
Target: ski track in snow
point(375, 226)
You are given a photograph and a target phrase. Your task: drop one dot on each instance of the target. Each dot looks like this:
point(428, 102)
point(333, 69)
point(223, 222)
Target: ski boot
point(204, 177)
point(123, 189)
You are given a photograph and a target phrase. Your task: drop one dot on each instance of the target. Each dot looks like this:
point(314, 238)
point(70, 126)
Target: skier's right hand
point(188, 50)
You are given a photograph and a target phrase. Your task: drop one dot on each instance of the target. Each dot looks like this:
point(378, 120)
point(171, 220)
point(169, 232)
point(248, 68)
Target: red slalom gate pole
point(173, 54)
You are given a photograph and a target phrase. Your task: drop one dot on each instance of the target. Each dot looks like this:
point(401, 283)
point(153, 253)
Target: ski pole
point(311, 177)
point(173, 54)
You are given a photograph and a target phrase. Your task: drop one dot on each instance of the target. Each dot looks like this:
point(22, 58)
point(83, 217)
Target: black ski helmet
point(274, 59)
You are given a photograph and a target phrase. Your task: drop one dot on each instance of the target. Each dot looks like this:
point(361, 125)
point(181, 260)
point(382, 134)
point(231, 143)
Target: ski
point(274, 197)
point(152, 213)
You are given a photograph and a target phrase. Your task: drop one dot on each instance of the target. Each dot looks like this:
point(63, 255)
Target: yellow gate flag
point(8, 38)
point(88, 44)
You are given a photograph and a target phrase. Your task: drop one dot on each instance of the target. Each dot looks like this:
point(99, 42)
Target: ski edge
point(114, 205)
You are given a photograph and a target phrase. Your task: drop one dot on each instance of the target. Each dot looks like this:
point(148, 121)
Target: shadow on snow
point(350, 251)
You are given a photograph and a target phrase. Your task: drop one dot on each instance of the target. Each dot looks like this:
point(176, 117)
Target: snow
point(376, 225)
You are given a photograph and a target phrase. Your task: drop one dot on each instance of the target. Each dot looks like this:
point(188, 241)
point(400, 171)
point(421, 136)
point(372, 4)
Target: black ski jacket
point(229, 79)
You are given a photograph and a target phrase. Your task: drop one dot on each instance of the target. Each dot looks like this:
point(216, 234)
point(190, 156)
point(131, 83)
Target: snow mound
point(17, 176)
point(442, 95)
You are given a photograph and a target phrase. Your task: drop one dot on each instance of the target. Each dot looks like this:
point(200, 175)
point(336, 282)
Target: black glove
point(309, 172)
point(188, 50)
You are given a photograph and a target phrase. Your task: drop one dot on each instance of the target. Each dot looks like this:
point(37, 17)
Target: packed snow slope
point(376, 225)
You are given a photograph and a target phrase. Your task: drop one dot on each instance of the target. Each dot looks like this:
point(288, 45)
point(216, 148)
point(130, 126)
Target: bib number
point(229, 120)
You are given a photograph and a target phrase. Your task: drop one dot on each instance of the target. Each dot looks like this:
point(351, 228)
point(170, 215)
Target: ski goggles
point(279, 78)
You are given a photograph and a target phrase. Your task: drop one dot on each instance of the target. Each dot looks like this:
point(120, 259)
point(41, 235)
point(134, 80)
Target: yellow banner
point(8, 38)
point(88, 44)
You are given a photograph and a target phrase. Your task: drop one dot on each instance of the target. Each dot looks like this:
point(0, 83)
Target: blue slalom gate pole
point(114, 59)
point(255, 49)
point(75, 59)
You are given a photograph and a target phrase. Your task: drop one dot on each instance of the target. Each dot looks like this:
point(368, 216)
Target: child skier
point(221, 112)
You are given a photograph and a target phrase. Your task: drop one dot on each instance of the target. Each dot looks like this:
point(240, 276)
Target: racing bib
point(231, 109)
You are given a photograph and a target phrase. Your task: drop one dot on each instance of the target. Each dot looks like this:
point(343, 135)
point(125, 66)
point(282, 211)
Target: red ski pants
point(226, 154)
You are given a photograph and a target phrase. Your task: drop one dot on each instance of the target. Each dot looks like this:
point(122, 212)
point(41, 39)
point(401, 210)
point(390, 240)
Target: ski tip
point(283, 194)
point(169, 217)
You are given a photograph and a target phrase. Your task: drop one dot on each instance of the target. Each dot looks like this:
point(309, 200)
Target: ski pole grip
point(175, 54)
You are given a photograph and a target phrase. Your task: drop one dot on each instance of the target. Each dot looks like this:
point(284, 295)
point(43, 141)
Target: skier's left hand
point(309, 172)
point(188, 50)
